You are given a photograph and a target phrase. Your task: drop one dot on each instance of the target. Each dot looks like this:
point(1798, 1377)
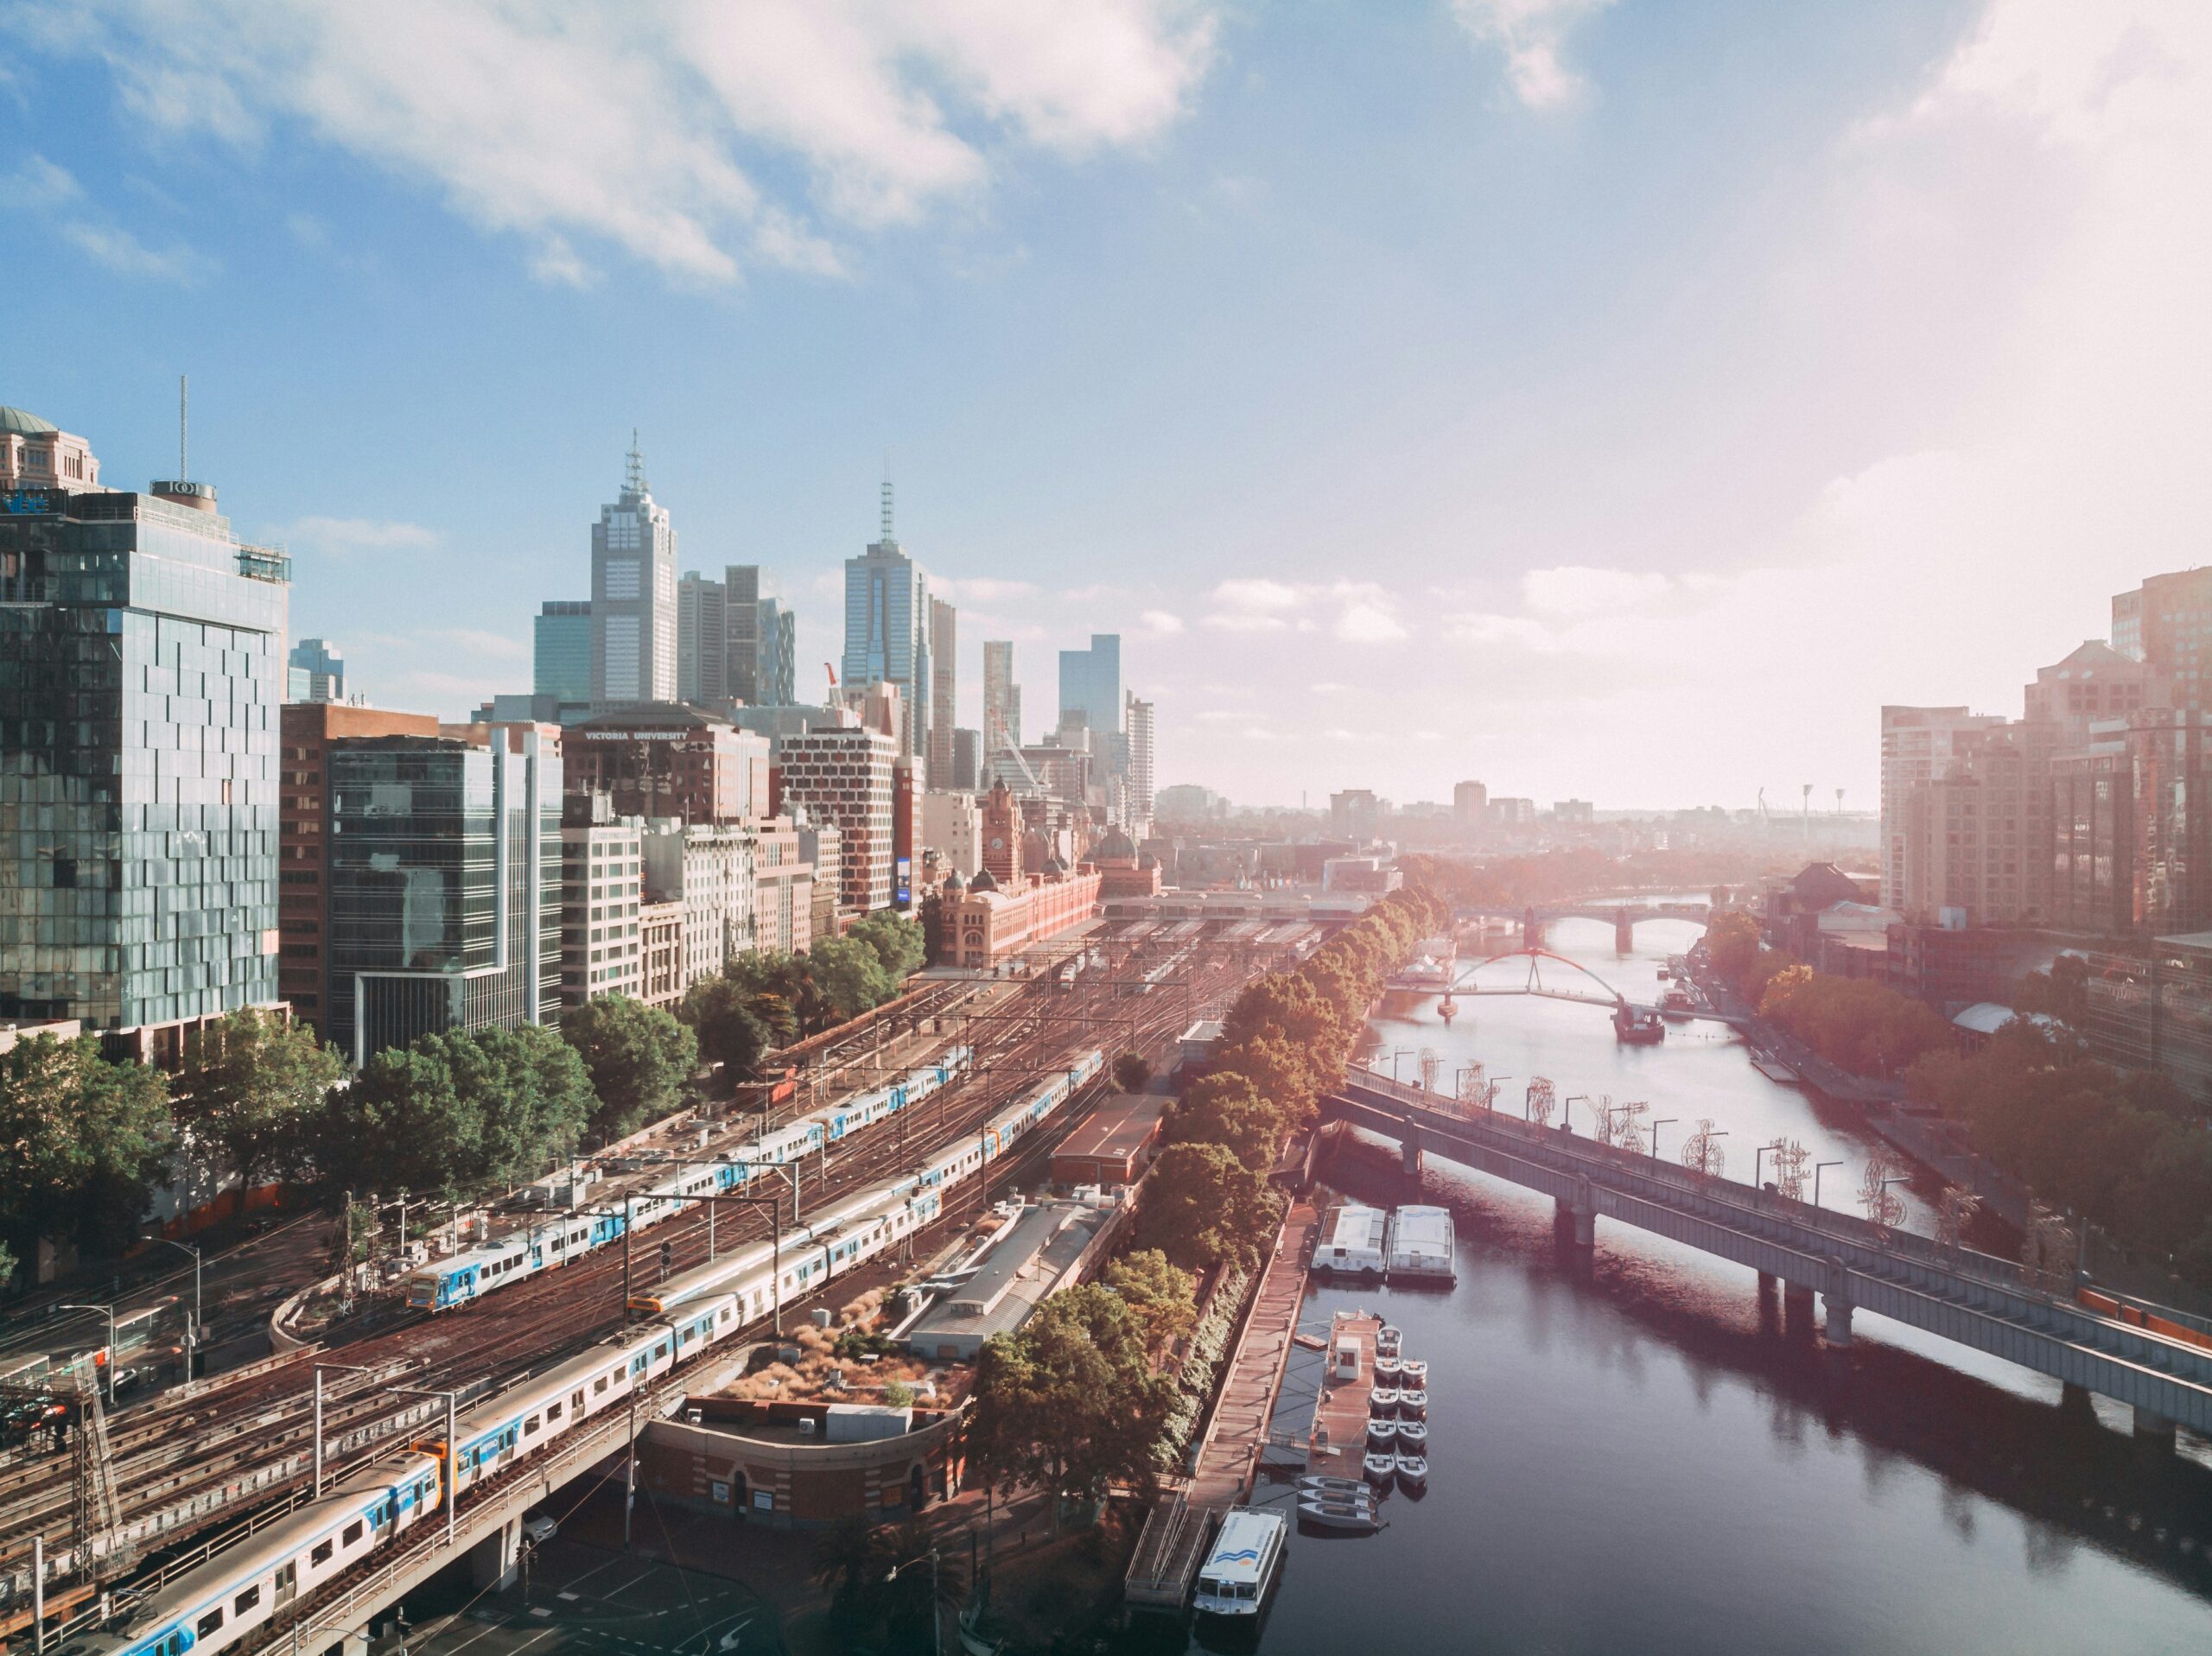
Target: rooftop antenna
point(886, 497)
point(633, 475)
point(183, 427)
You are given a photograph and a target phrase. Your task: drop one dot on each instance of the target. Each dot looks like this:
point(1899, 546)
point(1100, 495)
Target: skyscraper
point(1919, 746)
point(741, 639)
point(315, 671)
point(888, 630)
point(943, 690)
point(141, 672)
point(633, 595)
point(1001, 699)
point(778, 656)
point(1091, 688)
point(1140, 737)
point(560, 650)
point(702, 648)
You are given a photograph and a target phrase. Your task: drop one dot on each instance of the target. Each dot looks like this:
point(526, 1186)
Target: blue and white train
point(546, 1244)
point(222, 1601)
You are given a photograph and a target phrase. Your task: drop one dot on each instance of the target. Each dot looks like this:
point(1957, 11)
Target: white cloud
point(342, 536)
point(980, 589)
point(651, 127)
point(116, 249)
point(39, 183)
point(1260, 596)
point(476, 642)
point(1367, 623)
point(1578, 590)
point(1356, 612)
point(1531, 34)
point(1161, 623)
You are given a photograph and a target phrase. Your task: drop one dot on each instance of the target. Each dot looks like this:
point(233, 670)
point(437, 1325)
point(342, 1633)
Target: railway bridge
point(1623, 914)
point(1990, 1304)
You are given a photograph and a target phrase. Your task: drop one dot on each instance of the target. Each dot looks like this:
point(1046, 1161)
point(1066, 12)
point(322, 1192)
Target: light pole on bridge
point(1659, 1122)
point(1817, 1166)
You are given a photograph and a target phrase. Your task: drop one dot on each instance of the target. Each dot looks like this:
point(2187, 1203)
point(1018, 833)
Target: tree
point(850, 975)
point(1230, 1114)
point(728, 1032)
point(1731, 944)
point(1162, 1298)
point(255, 1085)
point(639, 1059)
point(1202, 1206)
point(899, 942)
point(82, 1142)
point(1131, 1073)
point(1070, 1400)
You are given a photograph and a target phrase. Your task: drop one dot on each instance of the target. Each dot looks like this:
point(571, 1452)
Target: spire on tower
point(886, 512)
point(633, 474)
point(183, 426)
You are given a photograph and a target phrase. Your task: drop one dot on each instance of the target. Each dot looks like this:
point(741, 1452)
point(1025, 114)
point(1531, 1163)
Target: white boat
point(1387, 1341)
point(1413, 1405)
point(1410, 1435)
point(1421, 1245)
point(1358, 1518)
point(1380, 1465)
point(1382, 1431)
point(1412, 1374)
point(1356, 1245)
point(1383, 1400)
point(1246, 1556)
point(1413, 1470)
point(1318, 1483)
point(1386, 1371)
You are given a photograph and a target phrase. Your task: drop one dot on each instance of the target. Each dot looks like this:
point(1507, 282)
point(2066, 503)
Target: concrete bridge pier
point(1579, 1215)
point(2074, 1404)
point(1624, 932)
point(493, 1561)
point(1409, 1154)
point(2153, 1431)
point(1532, 929)
point(1796, 1308)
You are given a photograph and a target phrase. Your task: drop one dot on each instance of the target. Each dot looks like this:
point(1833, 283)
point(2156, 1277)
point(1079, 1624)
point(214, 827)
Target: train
point(218, 1603)
point(546, 1244)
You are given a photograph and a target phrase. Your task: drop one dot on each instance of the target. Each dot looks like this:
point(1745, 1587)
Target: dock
point(1181, 1523)
point(1774, 1069)
point(1337, 1444)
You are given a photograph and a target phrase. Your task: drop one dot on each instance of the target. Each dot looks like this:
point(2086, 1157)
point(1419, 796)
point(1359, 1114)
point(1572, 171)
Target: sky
point(1614, 399)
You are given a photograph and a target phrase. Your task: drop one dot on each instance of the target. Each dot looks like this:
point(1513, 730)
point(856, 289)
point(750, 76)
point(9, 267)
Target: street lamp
point(937, 1619)
point(1567, 1111)
point(1661, 1121)
point(107, 1311)
point(1816, 1179)
point(192, 1345)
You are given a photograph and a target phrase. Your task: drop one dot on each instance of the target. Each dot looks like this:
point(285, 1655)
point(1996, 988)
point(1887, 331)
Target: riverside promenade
point(1182, 1521)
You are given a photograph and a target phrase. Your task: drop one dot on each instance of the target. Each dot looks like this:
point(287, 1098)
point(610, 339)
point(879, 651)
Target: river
point(1632, 1453)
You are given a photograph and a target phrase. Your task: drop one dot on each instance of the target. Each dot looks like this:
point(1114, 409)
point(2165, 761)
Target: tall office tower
point(1471, 804)
point(701, 646)
point(1918, 745)
point(778, 685)
point(602, 873)
point(944, 653)
point(560, 650)
point(1140, 737)
point(315, 671)
point(741, 640)
point(445, 883)
point(846, 779)
point(2167, 623)
point(967, 761)
point(633, 595)
point(887, 631)
point(141, 671)
point(1001, 699)
point(1090, 685)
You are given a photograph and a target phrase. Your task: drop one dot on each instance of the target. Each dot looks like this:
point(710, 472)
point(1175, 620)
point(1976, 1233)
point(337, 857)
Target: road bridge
point(1623, 914)
point(1990, 1304)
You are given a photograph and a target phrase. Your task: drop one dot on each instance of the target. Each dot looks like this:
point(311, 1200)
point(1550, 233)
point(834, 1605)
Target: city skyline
point(1502, 558)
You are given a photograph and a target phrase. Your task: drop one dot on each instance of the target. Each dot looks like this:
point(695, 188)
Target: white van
point(1246, 1558)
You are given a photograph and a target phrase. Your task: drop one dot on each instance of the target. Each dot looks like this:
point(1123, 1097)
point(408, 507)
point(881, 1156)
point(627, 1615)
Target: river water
point(1634, 1453)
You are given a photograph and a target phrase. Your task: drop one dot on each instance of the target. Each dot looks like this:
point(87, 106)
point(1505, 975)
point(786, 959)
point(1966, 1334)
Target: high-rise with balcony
point(141, 671)
point(634, 630)
point(1139, 732)
point(887, 631)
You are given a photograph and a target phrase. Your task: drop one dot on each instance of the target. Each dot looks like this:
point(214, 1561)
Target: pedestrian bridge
point(1976, 1299)
point(1568, 980)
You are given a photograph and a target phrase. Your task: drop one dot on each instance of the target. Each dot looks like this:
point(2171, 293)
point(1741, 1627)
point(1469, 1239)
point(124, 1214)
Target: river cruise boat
point(1637, 1025)
point(1355, 1244)
point(1241, 1571)
point(1422, 1245)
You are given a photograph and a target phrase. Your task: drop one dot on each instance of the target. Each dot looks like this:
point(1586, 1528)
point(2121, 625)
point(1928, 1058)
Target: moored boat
point(1348, 1489)
point(1382, 1400)
point(1413, 1470)
point(1414, 1405)
point(1386, 1370)
point(1412, 1374)
point(1411, 1436)
point(1357, 1517)
point(1387, 1341)
point(1380, 1465)
point(1382, 1431)
point(1246, 1558)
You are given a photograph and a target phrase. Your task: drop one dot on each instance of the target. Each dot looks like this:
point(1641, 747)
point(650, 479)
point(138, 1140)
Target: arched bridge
point(1623, 914)
point(1991, 1305)
point(1569, 979)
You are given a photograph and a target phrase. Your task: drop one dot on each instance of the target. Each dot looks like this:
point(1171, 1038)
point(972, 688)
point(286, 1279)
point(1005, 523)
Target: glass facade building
point(887, 633)
point(444, 885)
point(560, 650)
point(142, 669)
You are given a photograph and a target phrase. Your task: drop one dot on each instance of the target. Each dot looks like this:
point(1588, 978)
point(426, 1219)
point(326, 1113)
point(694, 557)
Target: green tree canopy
point(1132, 1074)
point(850, 975)
point(728, 1032)
point(82, 1142)
point(1162, 1298)
point(899, 942)
point(639, 1057)
point(253, 1090)
point(1201, 1205)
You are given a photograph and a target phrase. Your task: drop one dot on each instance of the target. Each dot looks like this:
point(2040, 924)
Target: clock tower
point(1001, 837)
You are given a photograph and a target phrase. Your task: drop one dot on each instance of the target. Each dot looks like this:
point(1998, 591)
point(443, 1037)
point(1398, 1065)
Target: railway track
point(250, 1432)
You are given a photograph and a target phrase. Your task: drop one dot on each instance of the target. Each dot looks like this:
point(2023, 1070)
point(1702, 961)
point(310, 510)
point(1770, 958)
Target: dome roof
point(954, 883)
point(984, 881)
point(1116, 846)
point(19, 423)
point(1054, 866)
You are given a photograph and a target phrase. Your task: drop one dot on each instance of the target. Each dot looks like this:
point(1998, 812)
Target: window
point(210, 1622)
point(352, 1534)
point(320, 1555)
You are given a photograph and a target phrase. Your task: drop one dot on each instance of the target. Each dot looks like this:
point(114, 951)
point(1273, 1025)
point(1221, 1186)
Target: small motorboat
point(1413, 1471)
point(1380, 1465)
point(1410, 1435)
point(1413, 1405)
point(1383, 1400)
point(1386, 1371)
point(1382, 1431)
point(1316, 1483)
point(1413, 1373)
point(1356, 1518)
point(1389, 1340)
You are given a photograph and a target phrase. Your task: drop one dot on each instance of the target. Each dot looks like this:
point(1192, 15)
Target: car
point(539, 1528)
